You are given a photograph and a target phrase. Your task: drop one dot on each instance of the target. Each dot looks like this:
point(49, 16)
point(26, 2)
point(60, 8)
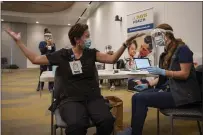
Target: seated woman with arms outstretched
point(82, 96)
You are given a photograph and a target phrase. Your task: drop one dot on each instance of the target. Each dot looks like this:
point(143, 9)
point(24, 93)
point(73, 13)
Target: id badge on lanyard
point(76, 66)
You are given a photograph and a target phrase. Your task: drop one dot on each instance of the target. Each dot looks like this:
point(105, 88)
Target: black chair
point(188, 112)
point(59, 123)
point(4, 63)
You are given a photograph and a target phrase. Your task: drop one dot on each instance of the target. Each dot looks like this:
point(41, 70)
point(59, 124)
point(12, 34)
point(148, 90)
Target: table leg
point(40, 91)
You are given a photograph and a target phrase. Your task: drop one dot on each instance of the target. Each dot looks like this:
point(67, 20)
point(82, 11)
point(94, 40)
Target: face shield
point(48, 36)
point(158, 36)
point(108, 48)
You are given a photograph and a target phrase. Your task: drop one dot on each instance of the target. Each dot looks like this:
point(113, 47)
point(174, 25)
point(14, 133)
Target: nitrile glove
point(141, 87)
point(156, 71)
point(127, 131)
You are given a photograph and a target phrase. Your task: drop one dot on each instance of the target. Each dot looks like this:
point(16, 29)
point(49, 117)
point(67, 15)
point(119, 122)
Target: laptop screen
point(142, 63)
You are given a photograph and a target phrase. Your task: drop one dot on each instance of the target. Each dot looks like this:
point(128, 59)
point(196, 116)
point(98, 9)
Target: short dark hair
point(76, 31)
point(46, 30)
point(148, 40)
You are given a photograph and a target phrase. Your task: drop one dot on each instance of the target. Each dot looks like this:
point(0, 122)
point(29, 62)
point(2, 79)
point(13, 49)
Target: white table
point(48, 76)
point(109, 74)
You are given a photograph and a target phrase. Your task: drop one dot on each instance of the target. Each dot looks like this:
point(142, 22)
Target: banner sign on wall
point(140, 21)
point(140, 24)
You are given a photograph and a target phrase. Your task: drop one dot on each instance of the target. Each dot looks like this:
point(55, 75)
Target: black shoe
point(50, 90)
point(39, 89)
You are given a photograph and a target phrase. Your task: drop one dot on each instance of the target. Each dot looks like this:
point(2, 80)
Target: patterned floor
point(24, 112)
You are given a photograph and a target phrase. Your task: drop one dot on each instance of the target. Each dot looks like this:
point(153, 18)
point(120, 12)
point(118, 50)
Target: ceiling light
point(69, 24)
point(37, 22)
point(2, 19)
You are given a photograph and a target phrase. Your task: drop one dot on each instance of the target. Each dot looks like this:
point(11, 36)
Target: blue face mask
point(87, 43)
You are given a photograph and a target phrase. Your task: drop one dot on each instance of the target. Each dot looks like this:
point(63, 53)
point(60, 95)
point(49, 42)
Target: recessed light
point(37, 22)
point(2, 19)
point(69, 24)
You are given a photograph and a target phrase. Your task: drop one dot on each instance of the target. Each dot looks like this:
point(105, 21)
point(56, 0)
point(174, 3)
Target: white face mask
point(158, 36)
point(159, 40)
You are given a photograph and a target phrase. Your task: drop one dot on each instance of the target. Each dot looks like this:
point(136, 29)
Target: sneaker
point(37, 89)
point(127, 131)
point(112, 87)
point(100, 86)
point(50, 90)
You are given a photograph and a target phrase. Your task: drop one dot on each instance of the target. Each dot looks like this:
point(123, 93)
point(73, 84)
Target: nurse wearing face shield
point(176, 84)
point(46, 47)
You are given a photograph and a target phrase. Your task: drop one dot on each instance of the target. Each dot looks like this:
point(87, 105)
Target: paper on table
point(139, 72)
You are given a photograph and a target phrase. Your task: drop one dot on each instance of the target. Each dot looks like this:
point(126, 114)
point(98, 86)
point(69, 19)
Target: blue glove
point(127, 131)
point(141, 87)
point(156, 71)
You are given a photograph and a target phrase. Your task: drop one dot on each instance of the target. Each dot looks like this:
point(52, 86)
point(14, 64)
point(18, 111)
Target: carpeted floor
point(24, 112)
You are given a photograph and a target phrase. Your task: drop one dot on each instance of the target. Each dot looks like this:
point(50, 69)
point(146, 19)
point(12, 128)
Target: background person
point(47, 46)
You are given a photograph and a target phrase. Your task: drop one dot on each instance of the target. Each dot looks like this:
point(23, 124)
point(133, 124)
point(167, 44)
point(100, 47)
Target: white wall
point(35, 34)
point(8, 46)
point(184, 17)
point(31, 34)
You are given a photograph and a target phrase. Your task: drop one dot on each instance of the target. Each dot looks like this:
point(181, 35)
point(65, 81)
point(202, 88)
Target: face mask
point(158, 36)
point(87, 43)
point(159, 41)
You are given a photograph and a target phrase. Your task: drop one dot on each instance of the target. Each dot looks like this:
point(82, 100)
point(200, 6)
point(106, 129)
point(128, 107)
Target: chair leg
point(171, 121)
point(113, 132)
point(61, 131)
point(199, 127)
point(52, 123)
point(158, 130)
point(54, 130)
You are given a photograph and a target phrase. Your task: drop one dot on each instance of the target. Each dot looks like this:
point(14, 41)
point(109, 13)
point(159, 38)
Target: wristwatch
point(124, 44)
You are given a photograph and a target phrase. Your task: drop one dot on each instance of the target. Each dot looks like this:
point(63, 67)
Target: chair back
point(199, 70)
point(4, 61)
point(58, 84)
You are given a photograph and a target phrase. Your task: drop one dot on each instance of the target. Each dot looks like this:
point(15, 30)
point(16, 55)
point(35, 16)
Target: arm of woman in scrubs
point(185, 58)
point(33, 57)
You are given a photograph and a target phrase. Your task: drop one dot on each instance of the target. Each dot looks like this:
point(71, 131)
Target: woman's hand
point(15, 36)
point(156, 71)
point(129, 40)
point(141, 87)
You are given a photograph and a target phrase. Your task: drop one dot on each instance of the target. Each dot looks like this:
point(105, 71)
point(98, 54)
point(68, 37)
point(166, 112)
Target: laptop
point(142, 63)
